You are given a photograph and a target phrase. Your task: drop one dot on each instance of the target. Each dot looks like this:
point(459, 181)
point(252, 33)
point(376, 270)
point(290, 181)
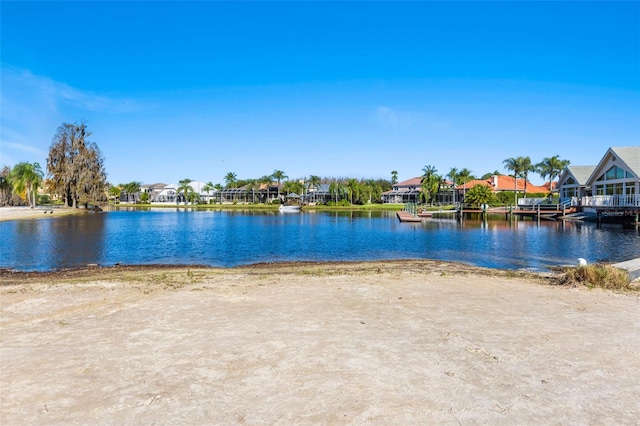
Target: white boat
point(289, 209)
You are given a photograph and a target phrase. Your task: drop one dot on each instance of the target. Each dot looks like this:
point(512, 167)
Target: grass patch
point(601, 276)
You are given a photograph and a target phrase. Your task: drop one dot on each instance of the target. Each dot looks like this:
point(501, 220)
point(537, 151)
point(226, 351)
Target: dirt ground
point(412, 342)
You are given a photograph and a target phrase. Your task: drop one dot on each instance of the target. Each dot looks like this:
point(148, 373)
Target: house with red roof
point(503, 183)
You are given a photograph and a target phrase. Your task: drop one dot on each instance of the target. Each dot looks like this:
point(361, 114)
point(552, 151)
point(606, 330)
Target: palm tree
point(394, 177)
point(230, 179)
point(355, 189)
point(428, 171)
point(430, 183)
point(131, 188)
point(25, 179)
point(314, 182)
point(453, 175)
point(335, 188)
point(252, 184)
point(527, 167)
point(515, 165)
point(266, 181)
point(552, 167)
point(114, 191)
point(278, 175)
point(208, 187)
point(186, 189)
point(479, 194)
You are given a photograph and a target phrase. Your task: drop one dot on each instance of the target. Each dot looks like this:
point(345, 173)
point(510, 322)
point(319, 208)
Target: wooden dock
point(405, 216)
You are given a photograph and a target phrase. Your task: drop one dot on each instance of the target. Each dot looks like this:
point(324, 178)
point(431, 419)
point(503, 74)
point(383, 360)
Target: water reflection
point(228, 238)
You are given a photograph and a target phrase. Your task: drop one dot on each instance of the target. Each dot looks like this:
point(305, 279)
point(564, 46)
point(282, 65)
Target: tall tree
point(186, 189)
point(552, 167)
point(266, 181)
point(453, 175)
point(252, 185)
point(527, 167)
point(132, 189)
point(230, 179)
point(515, 165)
point(465, 175)
point(25, 179)
point(430, 183)
point(114, 191)
point(355, 190)
point(5, 186)
point(394, 177)
point(208, 187)
point(314, 182)
point(76, 166)
point(279, 175)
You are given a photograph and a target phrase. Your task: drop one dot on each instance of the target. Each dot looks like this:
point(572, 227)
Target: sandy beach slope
point(39, 212)
point(413, 342)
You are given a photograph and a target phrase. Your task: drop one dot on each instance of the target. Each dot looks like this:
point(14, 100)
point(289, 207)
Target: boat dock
point(405, 216)
point(632, 266)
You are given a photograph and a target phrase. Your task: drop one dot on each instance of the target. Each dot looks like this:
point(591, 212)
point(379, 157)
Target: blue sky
point(175, 90)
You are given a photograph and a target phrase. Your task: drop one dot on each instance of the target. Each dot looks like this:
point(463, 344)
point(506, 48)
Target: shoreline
point(39, 212)
point(391, 342)
point(13, 276)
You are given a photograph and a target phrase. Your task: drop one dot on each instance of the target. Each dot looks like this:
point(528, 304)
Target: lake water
point(230, 238)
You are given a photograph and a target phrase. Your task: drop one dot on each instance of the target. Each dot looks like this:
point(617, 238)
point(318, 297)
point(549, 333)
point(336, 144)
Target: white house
point(613, 183)
point(170, 194)
point(617, 173)
point(572, 184)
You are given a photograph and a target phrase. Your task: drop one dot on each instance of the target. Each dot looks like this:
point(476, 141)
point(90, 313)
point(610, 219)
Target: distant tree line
point(76, 174)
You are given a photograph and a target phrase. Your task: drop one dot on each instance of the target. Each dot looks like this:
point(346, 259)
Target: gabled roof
point(580, 174)
point(629, 156)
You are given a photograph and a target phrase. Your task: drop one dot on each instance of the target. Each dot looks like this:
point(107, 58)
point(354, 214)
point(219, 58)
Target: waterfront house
point(615, 180)
point(153, 190)
point(572, 185)
point(170, 194)
point(407, 191)
point(502, 183)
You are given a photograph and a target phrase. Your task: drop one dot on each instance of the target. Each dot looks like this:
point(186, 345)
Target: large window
point(615, 173)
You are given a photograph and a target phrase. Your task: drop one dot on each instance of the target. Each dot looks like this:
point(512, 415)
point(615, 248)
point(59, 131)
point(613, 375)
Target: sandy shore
point(388, 342)
point(39, 212)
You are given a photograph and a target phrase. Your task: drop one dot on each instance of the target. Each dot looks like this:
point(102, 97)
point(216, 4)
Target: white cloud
point(22, 148)
point(32, 107)
point(387, 117)
point(394, 119)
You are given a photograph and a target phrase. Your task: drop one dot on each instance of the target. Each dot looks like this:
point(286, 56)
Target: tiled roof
point(416, 181)
point(503, 183)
